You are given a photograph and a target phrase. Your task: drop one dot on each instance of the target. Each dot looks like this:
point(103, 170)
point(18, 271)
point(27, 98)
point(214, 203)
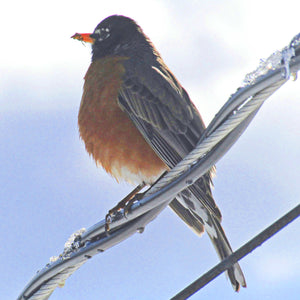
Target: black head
point(118, 35)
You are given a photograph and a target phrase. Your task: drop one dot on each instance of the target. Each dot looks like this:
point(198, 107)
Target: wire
point(238, 254)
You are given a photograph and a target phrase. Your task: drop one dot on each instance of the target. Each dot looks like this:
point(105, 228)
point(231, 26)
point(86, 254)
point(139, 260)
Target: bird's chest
point(109, 135)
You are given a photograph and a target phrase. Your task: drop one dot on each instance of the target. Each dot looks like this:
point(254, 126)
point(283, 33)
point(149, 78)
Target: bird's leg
point(125, 204)
point(128, 200)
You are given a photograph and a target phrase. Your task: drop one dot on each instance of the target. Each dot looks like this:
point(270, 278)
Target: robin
point(137, 122)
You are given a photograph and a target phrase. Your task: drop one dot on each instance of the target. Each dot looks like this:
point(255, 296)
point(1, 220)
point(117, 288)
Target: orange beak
point(84, 37)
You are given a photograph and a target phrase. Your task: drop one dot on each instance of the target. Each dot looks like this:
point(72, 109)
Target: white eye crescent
point(103, 33)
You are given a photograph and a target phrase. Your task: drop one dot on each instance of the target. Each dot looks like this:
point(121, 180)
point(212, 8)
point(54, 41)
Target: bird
point(138, 122)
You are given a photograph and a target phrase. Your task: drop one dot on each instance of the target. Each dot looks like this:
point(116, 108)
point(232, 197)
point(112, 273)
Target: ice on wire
point(70, 245)
point(274, 61)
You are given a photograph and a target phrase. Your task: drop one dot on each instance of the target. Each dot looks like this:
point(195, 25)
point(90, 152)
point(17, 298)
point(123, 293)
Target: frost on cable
point(273, 62)
point(70, 246)
point(71, 243)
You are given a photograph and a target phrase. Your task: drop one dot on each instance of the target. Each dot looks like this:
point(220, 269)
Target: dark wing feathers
point(162, 111)
point(160, 95)
point(187, 216)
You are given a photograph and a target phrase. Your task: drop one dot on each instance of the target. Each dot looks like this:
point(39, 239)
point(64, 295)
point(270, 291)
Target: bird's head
point(115, 35)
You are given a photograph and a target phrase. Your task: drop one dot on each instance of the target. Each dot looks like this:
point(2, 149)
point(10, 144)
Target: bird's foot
point(125, 205)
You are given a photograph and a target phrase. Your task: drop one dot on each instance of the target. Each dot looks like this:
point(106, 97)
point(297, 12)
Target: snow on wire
point(227, 126)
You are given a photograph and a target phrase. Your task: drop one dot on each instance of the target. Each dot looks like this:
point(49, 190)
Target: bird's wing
point(162, 111)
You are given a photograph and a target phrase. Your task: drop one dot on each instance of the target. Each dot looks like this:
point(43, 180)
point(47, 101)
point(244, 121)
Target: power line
point(238, 254)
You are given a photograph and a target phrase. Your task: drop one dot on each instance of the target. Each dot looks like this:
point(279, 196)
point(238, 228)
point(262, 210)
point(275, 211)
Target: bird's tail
point(223, 249)
point(198, 218)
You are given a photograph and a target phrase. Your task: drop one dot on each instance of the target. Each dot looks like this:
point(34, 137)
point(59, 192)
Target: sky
point(50, 187)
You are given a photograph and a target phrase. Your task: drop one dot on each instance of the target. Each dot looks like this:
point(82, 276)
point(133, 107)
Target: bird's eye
point(101, 34)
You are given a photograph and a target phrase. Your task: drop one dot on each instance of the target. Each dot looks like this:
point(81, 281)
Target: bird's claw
point(108, 219)
point(123, 207)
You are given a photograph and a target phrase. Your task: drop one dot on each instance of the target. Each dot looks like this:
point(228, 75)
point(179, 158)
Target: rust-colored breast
point(109, 135)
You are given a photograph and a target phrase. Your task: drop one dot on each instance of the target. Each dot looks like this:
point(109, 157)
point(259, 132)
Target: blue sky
point(50, 187)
